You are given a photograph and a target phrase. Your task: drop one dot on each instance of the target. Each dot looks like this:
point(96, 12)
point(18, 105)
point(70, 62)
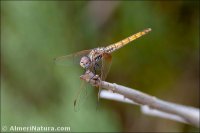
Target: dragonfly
point(98, 59)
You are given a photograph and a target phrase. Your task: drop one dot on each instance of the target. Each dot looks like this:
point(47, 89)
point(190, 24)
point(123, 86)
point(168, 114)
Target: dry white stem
point(184, 114)
point(115, 96)
point(154, 112)
point(144, 108)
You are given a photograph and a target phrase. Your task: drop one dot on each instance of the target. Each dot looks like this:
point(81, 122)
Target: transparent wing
point(81, 96)
point(106, 63)
point(71, 59)
point(105, 67)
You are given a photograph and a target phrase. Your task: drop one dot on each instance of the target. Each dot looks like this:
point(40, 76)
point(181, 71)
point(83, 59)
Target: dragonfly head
point(85, 62)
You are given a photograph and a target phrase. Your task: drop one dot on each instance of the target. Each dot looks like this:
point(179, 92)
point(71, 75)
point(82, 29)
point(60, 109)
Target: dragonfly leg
point(95, 71)
point(97, 65)
point(95, 78)
point(92, 77)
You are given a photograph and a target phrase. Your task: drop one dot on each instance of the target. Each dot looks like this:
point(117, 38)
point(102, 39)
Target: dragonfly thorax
point(85, 62)
point(96, 54)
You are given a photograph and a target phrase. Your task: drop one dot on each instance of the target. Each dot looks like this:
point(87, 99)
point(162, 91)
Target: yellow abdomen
point(118, 45)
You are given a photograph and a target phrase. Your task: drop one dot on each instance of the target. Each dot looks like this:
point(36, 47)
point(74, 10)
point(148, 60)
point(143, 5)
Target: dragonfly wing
point(71, 59)
point(105, 67)
point(81, 95)
point(106, 63)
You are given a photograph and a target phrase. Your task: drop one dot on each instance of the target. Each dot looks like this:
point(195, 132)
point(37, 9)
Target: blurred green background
point(164, 63)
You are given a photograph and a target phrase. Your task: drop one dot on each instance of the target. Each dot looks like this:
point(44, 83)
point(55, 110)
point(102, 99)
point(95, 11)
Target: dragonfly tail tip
point(148, 29)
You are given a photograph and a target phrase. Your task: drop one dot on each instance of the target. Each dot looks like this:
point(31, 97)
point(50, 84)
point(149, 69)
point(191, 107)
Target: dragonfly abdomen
point(111, 48)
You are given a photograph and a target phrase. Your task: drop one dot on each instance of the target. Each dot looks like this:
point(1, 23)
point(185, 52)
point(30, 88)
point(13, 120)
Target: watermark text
point(35, 129)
